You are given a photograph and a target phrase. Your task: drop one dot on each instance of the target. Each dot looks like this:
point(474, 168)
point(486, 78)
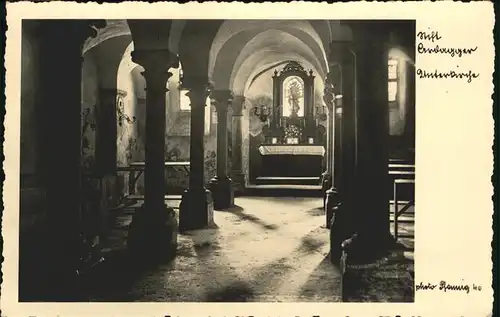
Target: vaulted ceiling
point(228, 53)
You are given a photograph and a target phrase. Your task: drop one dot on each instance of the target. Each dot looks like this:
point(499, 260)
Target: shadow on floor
point(310, 244)
point(118, 273)
point(239, 211)
point(312, 241)
point(235, 292)
point(316, 212)
point(323, 282)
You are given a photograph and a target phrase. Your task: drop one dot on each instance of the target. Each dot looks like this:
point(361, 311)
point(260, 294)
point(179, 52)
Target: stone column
point(153, 232)
point(237, 173)
point(338, 210)
point(196, 208)
point(65, 253)
point(334, 87)
point(327, 180)
point(221, 185)
point(369, 196)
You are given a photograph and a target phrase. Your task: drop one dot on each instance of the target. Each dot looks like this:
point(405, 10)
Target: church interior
point(217, 160)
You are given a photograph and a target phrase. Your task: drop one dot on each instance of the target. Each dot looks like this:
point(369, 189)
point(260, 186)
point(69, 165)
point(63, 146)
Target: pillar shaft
point(156, 64)
point(106, 134)
point(222, 101)
point(237, 174)
point(221, 186)
point(59, 134)
point(327, 182)
point(333, 88)
point(330, 140)
point(222, 143)
point(153, 231)
point(328, 98)
point(196, 208)
point(198, 97)
point(372, 131)
point(340, 210)
point(368, 195)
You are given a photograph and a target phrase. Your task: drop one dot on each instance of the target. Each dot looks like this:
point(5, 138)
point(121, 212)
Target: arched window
point(185, 103)
point(293, 97)
point(393, 80)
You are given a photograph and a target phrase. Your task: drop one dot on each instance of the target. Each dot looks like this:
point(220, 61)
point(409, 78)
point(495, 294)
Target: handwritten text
point(429, 47)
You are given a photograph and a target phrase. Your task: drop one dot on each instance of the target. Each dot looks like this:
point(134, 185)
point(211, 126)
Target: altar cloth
point(316, 150)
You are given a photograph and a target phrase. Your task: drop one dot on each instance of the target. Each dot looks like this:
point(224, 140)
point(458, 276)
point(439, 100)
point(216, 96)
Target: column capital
point(328, 95)
point(222, 99)
point(161, 60)
point(237, 104)
point(198, 90)
point(156, 64)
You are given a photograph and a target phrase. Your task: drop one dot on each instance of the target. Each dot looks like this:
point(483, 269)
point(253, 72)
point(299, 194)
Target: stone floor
point(267, 249)
point(264, 249)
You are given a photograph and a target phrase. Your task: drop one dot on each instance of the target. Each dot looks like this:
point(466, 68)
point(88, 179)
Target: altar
point(282, 160)
point(294, 144)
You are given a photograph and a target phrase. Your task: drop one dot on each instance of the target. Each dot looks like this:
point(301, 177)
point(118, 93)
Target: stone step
point(263, 180)
point(141, 197)
point(283, 190)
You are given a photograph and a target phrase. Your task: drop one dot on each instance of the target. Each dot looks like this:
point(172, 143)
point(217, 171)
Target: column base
point(389, 279)
point(152, 235)
point(91, 256)
point(62, 271)
point(239, 182)
point(222, 192)
point(368, 248)
point(196, 210)
point(340, 230)
point(326, 183)
point(331, 200)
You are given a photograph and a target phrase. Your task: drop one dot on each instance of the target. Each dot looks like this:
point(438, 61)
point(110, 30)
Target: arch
point(108, 55)
point(244, 75)
point(266, 68)
point(112, 29)
point(175, 35)
point(235, 34)
point(269, 45)
point(400, 52)
point(128, 117)
point(194, 47)
point(324, 30)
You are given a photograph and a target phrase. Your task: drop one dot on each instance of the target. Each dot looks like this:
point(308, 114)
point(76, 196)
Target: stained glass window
point(293, 97)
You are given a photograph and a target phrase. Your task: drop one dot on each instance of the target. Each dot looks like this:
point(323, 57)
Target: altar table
point(280, 160)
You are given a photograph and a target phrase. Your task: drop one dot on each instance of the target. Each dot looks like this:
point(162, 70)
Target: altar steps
point(284, 190)
point(312, 181)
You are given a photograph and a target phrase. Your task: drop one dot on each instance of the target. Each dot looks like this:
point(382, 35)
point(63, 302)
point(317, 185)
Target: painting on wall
point(121, 116)
point(256, 125)
point(89, 125)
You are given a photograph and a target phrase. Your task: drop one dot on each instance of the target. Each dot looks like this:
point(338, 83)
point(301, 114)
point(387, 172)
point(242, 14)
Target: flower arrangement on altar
point(292, 134)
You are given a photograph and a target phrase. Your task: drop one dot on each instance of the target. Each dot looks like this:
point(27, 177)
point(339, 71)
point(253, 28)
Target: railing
point(403, 174)
point(136, 170)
